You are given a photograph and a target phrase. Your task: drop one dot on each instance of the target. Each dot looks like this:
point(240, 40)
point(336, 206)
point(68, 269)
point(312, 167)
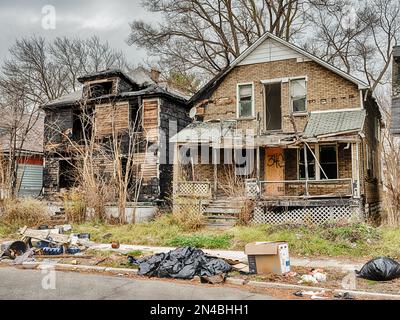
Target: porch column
point(258, 164)
point(306, 168)
point(215, 162)
point(355, 169)
point(176, 168)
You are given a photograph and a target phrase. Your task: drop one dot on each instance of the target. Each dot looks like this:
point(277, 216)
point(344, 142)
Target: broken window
point(101, 89)
point(310, 164)
point(328, 161)
point(245, 101)
point(298, 95)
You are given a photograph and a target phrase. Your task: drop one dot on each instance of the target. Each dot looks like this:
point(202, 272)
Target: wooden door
point(275, 171)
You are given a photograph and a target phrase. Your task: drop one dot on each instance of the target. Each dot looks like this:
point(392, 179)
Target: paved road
point(27, 284)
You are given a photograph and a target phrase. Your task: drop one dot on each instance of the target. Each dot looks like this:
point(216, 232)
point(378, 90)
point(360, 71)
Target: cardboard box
point(268, 257)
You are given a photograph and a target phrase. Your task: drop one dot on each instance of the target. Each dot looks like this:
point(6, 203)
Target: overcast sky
point(109, 19)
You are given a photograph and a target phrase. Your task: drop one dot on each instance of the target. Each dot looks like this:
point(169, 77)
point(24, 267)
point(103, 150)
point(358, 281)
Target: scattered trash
point(115, 245)
point(320, 277)
point(315, 295)
point(52, 251)
point(182, 263)
point(380, 269)
point(307, 278)
point(344, 296)
point(26, 257)
point(290, 274)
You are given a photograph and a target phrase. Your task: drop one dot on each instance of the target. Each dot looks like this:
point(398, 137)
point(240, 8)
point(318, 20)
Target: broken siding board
point(111, 116)
point(150, 119)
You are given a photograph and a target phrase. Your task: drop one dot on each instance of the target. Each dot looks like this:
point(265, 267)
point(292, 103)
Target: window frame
point(305, 78)
point(299, 153)
point(253, 111)
point(317, 151)
point(337, 160)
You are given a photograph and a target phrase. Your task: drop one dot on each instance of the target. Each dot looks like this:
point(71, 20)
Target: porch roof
point(334, 123)
point(204, 132)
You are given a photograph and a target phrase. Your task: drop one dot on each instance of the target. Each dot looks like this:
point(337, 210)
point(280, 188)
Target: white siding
point(270, 50)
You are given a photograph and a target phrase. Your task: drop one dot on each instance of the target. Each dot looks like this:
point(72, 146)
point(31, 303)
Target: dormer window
point(97, 90)
point(298, 95)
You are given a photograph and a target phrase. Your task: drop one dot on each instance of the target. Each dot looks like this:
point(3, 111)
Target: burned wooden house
point(292, 134)
point(115, 101)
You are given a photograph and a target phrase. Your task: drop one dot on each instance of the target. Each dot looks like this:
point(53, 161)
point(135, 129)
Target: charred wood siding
point(111, 118)
point(173, 118)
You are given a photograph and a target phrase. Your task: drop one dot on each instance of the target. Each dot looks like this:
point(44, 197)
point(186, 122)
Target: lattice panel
point(252, 189)
point(316, 215)
point(189, 209)
point(194, 189)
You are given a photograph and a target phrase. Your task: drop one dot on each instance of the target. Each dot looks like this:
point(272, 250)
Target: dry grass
point(23, 212)
point(187, 213)
point(75, 206)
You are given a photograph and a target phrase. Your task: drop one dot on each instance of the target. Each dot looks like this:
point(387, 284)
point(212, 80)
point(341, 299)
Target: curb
point(231, 281)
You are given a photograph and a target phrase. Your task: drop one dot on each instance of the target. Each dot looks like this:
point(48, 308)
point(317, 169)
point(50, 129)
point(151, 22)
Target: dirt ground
point(335, 278)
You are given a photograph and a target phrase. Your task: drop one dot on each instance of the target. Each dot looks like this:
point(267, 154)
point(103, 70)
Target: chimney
point(155, 75)
point(395, 121)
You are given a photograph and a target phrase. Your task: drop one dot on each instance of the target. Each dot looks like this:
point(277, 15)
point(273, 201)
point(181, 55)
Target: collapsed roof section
point(140, 79)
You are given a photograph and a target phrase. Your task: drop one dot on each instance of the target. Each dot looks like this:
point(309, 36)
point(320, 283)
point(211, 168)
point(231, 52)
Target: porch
point(312, 171)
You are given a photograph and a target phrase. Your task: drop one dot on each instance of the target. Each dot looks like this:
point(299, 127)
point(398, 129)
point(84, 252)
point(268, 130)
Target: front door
point(275, 171)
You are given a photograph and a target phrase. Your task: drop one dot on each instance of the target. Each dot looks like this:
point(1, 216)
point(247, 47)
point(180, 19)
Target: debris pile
point(44, 241)
point(183, 263)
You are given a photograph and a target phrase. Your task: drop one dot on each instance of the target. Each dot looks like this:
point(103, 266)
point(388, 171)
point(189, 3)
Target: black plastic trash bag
point(380, 269)
point(182, 263)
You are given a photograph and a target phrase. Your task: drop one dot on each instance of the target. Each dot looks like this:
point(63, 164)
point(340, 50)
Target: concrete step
point(222, 211)
point(221, 217)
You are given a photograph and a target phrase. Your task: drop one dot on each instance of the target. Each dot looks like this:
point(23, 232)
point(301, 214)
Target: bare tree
point(355, 36)
point(45, 71)
point(18, 123)
point(207, 35)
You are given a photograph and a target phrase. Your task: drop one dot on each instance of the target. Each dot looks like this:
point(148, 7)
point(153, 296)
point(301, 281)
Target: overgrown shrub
point(75, 206)
point(187, 212)
point(23, 212)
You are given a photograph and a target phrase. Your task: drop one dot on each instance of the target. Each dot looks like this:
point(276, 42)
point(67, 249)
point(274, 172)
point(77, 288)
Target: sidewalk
point(240, 256)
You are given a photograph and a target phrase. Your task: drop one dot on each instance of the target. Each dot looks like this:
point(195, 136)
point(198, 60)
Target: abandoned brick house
point(293, 134)
point(131, 99)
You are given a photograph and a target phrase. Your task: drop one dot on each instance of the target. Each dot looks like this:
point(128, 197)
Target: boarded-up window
point(150, 119)
point(111, 118)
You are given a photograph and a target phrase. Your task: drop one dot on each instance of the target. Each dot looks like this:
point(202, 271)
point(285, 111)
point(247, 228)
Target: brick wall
point(322, 86)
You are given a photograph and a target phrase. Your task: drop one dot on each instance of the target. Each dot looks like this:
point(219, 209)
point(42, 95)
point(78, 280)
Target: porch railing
point(200, 189)
point(302, 189)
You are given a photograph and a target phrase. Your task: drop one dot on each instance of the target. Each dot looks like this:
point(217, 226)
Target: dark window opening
point(273, 106)
point(101, 89)
point(310, 162)
point(67, 174)
point(82, 126)
point(328, 161)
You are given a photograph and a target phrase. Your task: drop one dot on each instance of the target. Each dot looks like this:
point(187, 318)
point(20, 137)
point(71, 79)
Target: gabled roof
point(334, 123)
point(361, 84)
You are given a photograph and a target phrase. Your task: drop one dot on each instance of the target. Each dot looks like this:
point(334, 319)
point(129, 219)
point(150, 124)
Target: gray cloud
point(105, 18)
